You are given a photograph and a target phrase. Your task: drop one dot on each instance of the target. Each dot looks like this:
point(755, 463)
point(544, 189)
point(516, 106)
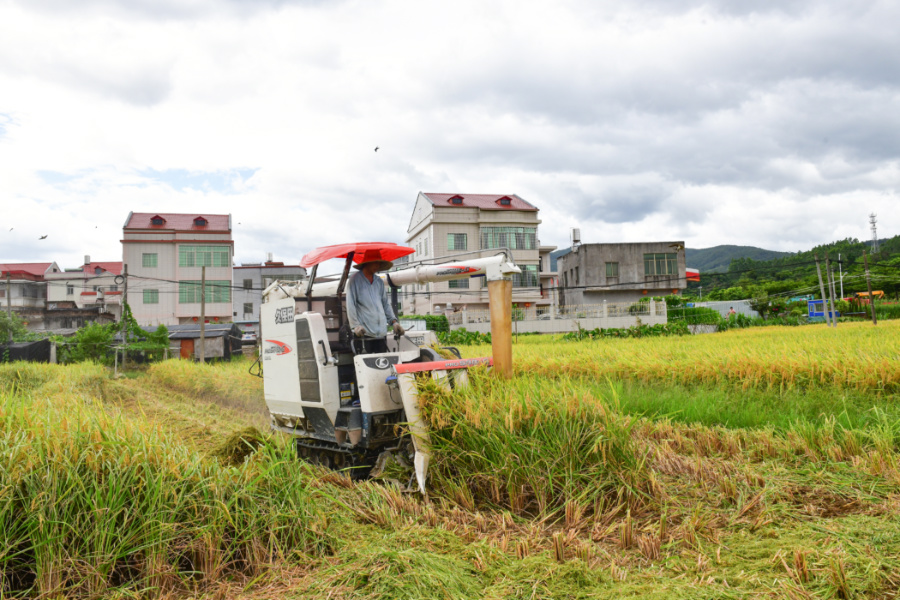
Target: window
point(504, 201)
point(216, 292)
point(248, 308)
point(527, 278)
point(612, 269)
point(151, 296)
point(2, 293)
point(70, 289)
point(660, 264)
point(157, 220)
point(149, 260)
point(200, 222)
point(457, 241)
point(203, 256)
point(541, 264)
point(248, 284)
point(113, 288)
point(577, 277)
point(425, 247)
point(458, 284)
point(456, 200)
point(515, 238)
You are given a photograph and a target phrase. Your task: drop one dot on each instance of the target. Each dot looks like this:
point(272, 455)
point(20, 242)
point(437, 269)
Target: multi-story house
point(23, 289)
point(164, 256)
point(90, 293)
point(467, 226)
point(594, 273)
point(250, 279)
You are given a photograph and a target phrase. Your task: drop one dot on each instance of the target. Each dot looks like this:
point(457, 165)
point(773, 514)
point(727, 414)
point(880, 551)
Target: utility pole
point(203, 314)
point(841, 273)
point(124, 318)
point(9, 306)
point(829, 273)
point(822, 291)
point(869, 287)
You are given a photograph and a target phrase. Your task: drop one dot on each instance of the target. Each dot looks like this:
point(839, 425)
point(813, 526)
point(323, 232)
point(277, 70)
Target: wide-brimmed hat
point(374, 256)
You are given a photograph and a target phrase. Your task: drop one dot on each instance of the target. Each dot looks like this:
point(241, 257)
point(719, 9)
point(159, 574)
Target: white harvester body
point(347, 408)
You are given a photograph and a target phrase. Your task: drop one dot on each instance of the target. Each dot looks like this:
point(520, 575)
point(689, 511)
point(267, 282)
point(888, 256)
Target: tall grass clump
point(525, 446)
point(227, 382)
point(91, 502)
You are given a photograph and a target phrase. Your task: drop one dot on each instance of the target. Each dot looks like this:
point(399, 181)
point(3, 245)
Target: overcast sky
point(765, 123)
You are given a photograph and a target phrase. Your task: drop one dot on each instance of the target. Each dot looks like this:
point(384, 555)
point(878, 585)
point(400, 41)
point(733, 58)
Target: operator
point(368, 307)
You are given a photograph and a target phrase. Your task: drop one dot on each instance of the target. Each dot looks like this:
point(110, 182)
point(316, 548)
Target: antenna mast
point(873, 221)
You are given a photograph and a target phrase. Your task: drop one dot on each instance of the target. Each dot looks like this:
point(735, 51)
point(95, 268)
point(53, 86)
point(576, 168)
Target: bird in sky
point(376, 148)
point(43, 237)
point(11, 228)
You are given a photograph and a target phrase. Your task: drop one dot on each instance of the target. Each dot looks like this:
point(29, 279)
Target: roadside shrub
point(463, 337)
point(437, 323)
point(635, 331)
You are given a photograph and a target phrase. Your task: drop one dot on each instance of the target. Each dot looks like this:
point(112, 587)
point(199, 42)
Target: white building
point(93, 285)
point(249, 282)
point(23, 288)
point(164, 255)
point(469, 226)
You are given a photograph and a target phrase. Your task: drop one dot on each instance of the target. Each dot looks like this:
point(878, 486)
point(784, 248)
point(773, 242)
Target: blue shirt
point(368, 305)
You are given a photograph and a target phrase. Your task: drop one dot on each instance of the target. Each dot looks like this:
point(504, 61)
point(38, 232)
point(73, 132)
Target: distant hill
point(717, 258)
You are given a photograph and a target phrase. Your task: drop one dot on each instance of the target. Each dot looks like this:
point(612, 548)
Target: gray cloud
point(162, 9)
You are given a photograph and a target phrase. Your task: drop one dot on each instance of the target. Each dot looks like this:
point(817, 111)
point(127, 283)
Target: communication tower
point(873, 221)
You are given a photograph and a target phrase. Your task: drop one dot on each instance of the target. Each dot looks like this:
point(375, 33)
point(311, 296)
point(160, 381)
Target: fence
point(723, 306)
point(562, 319)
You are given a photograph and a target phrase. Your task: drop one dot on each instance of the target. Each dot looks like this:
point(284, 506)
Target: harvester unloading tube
point(497, 270)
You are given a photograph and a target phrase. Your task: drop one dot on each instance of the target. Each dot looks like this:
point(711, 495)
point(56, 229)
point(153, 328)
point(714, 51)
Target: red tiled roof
point(482, 201)
point(37, 269)
point(112, 267)
point(178, 222)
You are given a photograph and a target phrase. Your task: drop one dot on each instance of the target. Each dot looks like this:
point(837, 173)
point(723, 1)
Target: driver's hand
point(360, 331)
point(398, 329)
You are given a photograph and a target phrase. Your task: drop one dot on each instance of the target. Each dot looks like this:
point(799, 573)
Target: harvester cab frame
point(347, 409)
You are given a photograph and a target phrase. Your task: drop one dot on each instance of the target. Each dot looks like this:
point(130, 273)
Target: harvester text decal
point(277, 348)
point(456, 271)
point(284, 315)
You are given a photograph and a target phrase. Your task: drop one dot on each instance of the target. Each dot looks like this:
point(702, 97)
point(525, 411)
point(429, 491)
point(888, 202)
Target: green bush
point(462, 337)
point(636, 331)
point(437, 323)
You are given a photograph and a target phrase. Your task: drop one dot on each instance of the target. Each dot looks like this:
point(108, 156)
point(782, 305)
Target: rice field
point(757, 463)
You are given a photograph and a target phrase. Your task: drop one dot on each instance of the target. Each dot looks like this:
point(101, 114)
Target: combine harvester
point(351, 410)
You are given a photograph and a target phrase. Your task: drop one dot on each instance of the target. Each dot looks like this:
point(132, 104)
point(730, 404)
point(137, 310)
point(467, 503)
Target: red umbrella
point(362, 251)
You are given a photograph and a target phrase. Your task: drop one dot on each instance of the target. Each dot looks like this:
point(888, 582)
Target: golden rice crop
point(855, 356)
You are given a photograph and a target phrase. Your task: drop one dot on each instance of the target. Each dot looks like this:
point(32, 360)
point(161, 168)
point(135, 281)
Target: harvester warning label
point(284, 315)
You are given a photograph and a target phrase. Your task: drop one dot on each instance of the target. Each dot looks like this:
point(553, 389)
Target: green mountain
point(717, 258)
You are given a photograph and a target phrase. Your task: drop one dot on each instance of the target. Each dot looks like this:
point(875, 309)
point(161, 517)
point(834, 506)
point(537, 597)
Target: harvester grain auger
point(348, 409)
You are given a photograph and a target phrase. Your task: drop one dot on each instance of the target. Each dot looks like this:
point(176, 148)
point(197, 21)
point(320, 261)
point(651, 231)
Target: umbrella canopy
point(385, 251)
